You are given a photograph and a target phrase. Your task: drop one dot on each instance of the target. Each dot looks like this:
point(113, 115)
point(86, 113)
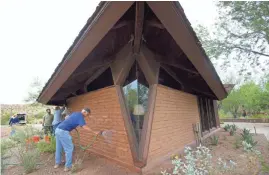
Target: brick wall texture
point(174, 114)
point(105, 109)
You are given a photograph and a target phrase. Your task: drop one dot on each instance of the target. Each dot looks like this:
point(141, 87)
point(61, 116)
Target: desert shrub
point(247, 146)
point(249, 139)
point(50, 147)
point(214, 140)
point(29, 160)
point(199, 161)
point(237, 143)
point(21, 136)
point(227, 127)
point(224, 167)
point(232, 132)
point(5, 118)
point(246, 131)
point(6, 144)
point(233, 127)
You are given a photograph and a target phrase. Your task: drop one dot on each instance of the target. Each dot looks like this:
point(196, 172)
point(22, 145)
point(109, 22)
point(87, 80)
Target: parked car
point(22, 119)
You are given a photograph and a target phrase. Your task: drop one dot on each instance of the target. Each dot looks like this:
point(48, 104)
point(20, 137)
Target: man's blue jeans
point(63, 141)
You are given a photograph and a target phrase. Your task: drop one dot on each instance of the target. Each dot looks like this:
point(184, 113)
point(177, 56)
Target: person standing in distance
point(57, 119)
point(47, 122)
point(64, 139)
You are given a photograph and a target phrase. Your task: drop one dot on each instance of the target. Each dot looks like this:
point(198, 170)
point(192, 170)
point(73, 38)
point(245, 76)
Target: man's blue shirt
point(74, 120)
point(57, 117)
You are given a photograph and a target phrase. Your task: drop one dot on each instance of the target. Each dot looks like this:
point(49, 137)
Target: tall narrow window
point(136, 91)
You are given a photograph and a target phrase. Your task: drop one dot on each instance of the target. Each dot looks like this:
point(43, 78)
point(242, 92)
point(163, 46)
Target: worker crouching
point(64, 139)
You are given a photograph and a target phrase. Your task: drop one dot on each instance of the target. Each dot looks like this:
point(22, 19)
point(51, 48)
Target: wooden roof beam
point(139, 19)
point(154, 23)
point(94, 76)
point(172, 74)
point(180, 67)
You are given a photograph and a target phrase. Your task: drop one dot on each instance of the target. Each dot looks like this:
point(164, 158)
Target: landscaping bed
point(223, 144)
point(260, 120)
point(230, 148)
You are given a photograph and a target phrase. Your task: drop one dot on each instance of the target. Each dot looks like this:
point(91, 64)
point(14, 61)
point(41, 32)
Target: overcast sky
point(34, 36)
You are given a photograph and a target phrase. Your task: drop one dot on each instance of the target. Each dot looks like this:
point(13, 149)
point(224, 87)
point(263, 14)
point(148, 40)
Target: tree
point(241, 33)
point(251, 95)
point(232, 103)
point(35, 89)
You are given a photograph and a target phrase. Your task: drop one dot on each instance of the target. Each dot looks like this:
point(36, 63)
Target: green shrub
point(214, 140)
point(5, 118)
point(29, 160)
point(245, 134)
point(227, 127)
point(249, 139)
point(259, 116)
point(6, 144)
point(43, 146)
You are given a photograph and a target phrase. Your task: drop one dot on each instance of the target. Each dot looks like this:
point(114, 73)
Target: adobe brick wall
point(174, 114)
point(105, 109)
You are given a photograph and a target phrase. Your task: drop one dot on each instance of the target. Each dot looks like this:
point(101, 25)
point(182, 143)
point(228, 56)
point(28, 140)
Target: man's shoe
point(56, 166)
point(66, 169)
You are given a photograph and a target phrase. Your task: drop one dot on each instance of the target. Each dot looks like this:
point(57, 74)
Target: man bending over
point(64, 139)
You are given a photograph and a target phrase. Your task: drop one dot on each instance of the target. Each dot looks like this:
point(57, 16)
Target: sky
point(35, 35)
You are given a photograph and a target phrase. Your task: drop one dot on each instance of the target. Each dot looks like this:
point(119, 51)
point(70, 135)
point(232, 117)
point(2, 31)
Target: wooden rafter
point(181, 67)
point(94, 76)
point(121, 24)
point(139, 19)
point(172, 74)
point(154, 23)
point(122, 64)
point(148, 65)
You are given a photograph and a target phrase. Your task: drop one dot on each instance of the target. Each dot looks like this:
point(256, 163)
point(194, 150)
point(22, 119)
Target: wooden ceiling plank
point(139, 20)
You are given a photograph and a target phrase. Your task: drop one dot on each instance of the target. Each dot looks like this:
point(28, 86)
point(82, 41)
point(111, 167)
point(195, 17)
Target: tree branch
point(252, 51)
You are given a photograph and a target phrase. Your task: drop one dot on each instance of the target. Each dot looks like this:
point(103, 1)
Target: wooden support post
point(148, 65)
point(215, 105)
point(122, 64)
point(139, 19)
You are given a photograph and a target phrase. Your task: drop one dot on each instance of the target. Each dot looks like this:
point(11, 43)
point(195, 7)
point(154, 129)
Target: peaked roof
point(106, 15)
